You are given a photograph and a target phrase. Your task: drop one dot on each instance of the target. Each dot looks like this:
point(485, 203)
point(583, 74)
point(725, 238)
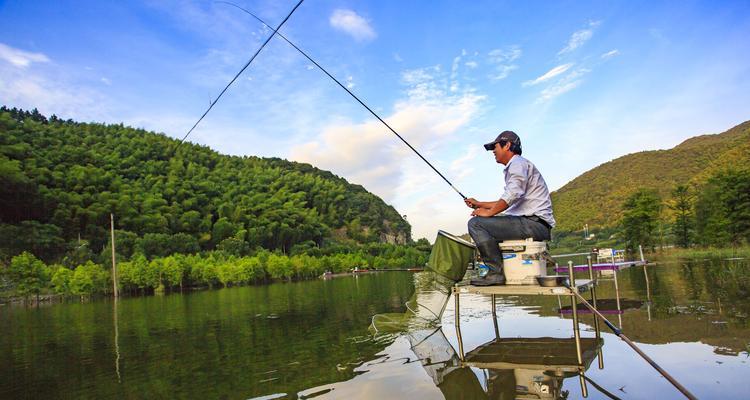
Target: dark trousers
point(506, 227)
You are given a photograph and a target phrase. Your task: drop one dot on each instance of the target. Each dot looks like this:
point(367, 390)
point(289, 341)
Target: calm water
point(311, 339)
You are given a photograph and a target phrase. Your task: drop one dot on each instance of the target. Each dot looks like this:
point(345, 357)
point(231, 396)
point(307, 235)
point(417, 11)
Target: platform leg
point(597, 329)
point(648, 292)
point(458, 325)
point(577, 335)
point(494, 317)
point(617, 297)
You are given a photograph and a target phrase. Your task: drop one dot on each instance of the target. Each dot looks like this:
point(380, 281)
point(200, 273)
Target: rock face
point(393, 238)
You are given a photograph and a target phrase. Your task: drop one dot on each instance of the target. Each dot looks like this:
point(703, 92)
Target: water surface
point(311, 340)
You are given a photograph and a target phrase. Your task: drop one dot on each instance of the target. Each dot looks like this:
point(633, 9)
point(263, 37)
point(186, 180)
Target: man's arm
point(495, 207)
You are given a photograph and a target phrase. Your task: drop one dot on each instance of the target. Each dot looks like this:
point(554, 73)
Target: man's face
point(502, 153)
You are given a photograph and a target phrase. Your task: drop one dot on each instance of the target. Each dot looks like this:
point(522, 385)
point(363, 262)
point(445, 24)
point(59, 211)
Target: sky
point(581, 82)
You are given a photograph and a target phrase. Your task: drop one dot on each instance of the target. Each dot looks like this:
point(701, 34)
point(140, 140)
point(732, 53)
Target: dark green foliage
point(723, 209)
point(640, 219)
point(682, 206)
point(60, 181)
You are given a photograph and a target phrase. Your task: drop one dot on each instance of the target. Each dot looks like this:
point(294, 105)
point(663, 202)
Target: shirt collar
point(515, 156)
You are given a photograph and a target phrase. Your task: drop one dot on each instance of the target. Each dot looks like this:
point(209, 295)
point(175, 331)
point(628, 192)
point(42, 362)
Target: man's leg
point(488, 231)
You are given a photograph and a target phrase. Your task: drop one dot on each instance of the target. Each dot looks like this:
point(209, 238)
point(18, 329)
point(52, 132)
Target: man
point(525, 208)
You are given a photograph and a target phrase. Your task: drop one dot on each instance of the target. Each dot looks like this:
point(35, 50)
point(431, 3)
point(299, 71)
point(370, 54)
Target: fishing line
point(275, 31)
point(350, 93)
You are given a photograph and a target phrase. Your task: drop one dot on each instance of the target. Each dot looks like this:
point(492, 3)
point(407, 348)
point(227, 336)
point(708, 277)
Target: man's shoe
point(491, 279)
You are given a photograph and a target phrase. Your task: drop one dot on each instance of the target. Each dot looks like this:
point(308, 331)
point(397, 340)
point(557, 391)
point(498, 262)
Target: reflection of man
point(525, 205)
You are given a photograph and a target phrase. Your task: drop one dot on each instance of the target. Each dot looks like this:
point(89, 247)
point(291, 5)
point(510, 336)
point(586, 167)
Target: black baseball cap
point(505, 136)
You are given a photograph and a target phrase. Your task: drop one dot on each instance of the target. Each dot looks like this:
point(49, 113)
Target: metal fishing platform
point(578, 286)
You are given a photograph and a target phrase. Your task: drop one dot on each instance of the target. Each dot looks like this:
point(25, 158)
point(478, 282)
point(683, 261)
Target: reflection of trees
point(209, 344)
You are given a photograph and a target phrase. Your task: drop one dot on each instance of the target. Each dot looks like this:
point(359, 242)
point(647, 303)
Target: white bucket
point(523, 261)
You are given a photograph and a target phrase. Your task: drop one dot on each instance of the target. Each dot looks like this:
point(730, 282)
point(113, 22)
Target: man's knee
point(474, 224)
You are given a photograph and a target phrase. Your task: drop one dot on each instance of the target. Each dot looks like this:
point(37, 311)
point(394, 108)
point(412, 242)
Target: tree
point(29, 274)
point(640, 218)
point(723, 209)
point(682, 205)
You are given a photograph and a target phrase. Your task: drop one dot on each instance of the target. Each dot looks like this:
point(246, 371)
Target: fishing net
point(447, 265)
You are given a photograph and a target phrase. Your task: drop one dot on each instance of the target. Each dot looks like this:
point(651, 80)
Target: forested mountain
point(596, 197)
point(60, 180)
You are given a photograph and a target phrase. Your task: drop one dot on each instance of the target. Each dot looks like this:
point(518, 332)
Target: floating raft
point(602, 266)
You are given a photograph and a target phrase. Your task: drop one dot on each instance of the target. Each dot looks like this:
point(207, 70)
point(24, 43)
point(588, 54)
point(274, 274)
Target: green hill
point(60, 180)
point(596, 197)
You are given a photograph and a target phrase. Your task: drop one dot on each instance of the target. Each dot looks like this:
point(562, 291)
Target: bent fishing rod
point(276, 32)
point(617, 331)
point(247, 64)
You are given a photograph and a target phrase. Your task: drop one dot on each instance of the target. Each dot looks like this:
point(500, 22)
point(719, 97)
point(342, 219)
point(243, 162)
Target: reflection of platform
point(582, 285)
point(602, 266)
point(605, 306)
point(533, 353)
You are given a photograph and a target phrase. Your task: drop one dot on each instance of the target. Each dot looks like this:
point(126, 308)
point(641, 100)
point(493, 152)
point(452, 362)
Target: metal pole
point(494, 317)
point(648, 292)
point(457, 322)
point(114, 263)
point(617, 296)
point(576, 331)
point(597, 329)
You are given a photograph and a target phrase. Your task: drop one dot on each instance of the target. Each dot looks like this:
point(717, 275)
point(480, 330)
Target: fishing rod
point(348, 91)
point(247, 64)
point(622, 336)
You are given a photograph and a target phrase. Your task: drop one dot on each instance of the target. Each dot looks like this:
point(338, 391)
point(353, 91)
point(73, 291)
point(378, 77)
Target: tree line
point(716, 214)
point(30, 276)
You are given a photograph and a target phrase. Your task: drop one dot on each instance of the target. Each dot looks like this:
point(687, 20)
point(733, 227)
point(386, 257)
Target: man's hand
point(482, 212)
point(471, 202)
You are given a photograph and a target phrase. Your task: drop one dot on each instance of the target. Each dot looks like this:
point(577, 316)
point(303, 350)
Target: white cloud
point(471, 64)
point(350, 82)
point(367, 153)
point(549, 74)
point(503, 59)
point(106, 81)
point(610, 54)
point(20, 58)
point(564, 85)
point(578, 38)
point(353, 24)
point(397, 57)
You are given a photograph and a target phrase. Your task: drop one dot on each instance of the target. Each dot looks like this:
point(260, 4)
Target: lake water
point(311, 340)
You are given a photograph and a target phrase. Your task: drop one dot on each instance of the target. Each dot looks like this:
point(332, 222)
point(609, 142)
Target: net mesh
point(448, 262)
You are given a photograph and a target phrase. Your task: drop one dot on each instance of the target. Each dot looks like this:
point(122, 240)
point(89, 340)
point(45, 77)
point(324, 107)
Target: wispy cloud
point(350, 82)
point(564, 85)
point(610, 54)
point(471, 64)
point(503, 59)
point(549, 74)
point(578, 38)
point(20, 58)
point(353, 24)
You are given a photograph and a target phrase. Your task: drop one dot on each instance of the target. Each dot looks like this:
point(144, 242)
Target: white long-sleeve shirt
point(525, 191)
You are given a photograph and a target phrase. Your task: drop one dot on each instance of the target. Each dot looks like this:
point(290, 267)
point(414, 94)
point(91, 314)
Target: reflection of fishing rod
point(348, 91)
point(622, 336)
point(247, 64)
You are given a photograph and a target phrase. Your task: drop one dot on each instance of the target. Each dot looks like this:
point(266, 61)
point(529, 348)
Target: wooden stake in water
point(114, 263)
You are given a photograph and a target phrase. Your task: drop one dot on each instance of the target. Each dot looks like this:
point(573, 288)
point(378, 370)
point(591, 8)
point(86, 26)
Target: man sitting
point(525, 208)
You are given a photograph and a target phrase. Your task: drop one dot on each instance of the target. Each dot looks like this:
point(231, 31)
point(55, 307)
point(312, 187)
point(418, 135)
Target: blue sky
point(581, 82)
